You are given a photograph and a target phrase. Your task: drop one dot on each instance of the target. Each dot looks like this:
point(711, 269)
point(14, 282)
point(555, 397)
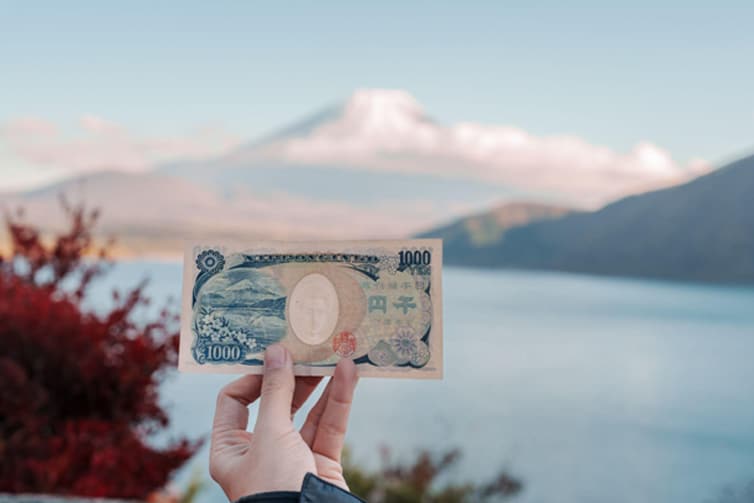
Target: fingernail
point(275, 357)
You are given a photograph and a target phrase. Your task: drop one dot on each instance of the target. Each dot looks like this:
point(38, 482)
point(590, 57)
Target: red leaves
point(79, 391)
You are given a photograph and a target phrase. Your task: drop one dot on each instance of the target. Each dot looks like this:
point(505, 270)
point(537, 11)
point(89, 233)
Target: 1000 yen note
point(378, 303)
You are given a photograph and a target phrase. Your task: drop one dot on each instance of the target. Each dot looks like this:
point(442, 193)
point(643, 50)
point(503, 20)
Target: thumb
point(278, 384)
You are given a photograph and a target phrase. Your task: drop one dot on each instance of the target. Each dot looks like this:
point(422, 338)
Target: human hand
point(276, 457)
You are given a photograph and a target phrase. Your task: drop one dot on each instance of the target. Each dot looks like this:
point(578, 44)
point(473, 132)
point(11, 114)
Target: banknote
point(378, 303)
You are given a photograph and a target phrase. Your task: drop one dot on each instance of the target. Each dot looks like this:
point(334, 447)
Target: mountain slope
point(703, 230)
point(486, 228)
point(151, 213)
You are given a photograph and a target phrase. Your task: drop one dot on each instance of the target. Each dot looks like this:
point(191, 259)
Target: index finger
point(231, 411)
point(305, 386)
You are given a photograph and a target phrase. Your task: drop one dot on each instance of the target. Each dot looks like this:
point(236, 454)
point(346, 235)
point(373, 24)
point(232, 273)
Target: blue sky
point(679, 76)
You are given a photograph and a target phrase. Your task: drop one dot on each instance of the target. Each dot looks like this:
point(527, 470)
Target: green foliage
point(195, 486)
point(417, 481)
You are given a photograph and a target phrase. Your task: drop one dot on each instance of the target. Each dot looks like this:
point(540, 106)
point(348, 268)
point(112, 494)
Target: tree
point(79, 399)
point(416, 482)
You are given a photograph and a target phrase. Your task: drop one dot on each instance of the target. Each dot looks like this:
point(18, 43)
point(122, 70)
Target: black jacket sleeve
point(313, 490)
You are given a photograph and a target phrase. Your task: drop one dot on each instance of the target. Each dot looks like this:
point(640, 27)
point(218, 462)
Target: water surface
point(590, 389)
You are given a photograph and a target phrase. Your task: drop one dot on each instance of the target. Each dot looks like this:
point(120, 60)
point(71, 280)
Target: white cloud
point(99, 144)
point(387, 130)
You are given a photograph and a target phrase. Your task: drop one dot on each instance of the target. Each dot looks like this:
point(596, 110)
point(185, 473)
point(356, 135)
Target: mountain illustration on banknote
point(242, 307)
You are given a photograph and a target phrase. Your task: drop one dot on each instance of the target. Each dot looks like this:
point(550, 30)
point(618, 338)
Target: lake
point(589, 389)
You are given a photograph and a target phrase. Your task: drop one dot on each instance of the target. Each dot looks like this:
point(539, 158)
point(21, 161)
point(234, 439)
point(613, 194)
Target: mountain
point(374, 166)
point(382, 143)
point(154, 213)
point(702, 231)
point(488, 227)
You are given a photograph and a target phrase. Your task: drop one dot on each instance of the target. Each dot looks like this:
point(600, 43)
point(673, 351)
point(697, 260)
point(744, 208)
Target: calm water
point(590, 389)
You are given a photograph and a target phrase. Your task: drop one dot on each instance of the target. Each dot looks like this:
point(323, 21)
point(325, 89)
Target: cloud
point(98, 125)
point(387, 130)
point(99, 144)
point(23, 126)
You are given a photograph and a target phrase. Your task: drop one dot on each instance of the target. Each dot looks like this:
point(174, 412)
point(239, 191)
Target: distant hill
point(702, 231)
point(487, 228)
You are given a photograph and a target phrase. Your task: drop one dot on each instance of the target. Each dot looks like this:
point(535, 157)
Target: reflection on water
point(590, 389)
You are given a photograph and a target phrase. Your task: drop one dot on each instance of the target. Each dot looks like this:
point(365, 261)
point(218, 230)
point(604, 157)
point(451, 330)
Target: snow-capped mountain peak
point(380, 110)
point(371, 121)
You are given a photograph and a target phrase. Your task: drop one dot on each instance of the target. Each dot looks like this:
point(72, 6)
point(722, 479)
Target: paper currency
point(378, 303)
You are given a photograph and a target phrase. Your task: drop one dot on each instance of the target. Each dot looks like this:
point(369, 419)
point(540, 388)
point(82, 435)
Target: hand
point(276, 457)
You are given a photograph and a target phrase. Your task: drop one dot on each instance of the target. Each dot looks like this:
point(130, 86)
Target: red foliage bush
point(78, 391)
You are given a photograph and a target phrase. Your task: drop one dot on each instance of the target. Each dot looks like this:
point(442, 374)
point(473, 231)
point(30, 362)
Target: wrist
point(313, 488)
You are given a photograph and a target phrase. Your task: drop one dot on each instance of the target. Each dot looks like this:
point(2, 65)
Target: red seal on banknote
point(344, 344)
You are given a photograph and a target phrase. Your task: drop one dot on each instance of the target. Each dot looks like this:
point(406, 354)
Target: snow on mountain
point(388, 131)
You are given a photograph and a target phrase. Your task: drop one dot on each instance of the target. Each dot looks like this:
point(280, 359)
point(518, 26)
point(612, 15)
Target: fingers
point(304, 388)
point(231, 411)
point(309, 429)
point(331, 431)
point(277, 389)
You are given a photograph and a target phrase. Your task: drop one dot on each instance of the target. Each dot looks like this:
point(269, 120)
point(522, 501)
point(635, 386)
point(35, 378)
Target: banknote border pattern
point(210, 262)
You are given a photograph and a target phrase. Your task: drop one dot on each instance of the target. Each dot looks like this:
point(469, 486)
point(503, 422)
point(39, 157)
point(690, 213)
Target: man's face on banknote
point(316, 309)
